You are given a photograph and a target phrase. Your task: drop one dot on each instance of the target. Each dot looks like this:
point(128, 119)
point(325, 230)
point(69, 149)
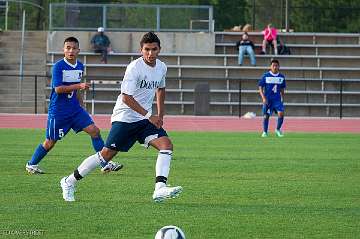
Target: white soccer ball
point(170, 232)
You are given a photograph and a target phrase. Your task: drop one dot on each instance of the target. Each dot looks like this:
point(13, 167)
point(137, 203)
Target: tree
point(304, 15)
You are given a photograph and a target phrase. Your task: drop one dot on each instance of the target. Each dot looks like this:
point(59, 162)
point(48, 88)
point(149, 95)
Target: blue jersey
point(272, 85)
point(64, 73)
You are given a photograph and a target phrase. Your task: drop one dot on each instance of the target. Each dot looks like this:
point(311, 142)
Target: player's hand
point(84, 86)
point(264, 101)
point(156, 120)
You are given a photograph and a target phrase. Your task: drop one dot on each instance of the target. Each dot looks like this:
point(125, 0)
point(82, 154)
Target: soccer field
point(236, 185)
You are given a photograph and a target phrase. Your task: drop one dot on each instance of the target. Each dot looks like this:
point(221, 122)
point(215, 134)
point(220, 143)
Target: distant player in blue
point(272, 89)
point(65, 111)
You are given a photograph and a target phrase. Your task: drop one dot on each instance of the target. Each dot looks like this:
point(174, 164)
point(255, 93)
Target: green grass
point(236, 185)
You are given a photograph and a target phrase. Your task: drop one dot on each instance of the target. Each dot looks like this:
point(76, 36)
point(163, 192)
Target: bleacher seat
point(313, 71)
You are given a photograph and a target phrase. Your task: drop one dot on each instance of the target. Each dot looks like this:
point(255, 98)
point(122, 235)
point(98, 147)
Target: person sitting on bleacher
point(270, 34)
point(101, 44)
point(282, 48)
point(246, 46)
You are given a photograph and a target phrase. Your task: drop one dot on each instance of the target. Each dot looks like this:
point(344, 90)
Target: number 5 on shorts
point(61, 133)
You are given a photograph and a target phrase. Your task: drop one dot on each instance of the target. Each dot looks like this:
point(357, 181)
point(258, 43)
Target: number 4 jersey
point(64, 73)
point(272, 85)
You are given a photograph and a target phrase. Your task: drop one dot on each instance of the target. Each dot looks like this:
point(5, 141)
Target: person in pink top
point(270, 35)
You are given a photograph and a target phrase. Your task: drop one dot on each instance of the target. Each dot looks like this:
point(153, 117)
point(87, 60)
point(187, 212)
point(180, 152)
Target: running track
point(206, 123)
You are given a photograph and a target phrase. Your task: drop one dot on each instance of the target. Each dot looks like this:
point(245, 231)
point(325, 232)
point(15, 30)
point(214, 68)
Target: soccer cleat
point(279, 133)
point(165, 192)
point(111, 167)
point(264, 134)
point(68, 190)
point(33, 169)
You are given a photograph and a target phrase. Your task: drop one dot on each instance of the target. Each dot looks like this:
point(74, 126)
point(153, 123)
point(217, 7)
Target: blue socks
point(279, 122)
point(98, 143)
point(40, 151)
point(38, 155)
point(266, 124)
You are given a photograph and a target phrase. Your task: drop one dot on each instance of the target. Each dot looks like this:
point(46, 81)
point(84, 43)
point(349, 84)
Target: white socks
point(89, 164)
point(92, 162)
point(163, 166)
point(85, 167)
point(163, 163)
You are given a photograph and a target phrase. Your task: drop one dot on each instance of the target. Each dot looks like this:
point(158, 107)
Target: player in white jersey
point(132, 120)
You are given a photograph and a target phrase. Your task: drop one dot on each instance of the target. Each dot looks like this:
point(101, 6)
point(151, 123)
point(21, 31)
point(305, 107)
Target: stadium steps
point(14, 96)
point(345, 44)
point(20, 109)
point(34, 60)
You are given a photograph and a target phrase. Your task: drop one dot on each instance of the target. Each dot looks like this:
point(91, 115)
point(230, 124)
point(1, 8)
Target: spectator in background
point(101, 44)
point(246, 46)
point(270, 34)
point(282, 48)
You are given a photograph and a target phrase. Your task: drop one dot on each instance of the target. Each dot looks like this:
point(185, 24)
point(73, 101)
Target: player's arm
point(80, 93)
point(60, 88)
point(261, 92)
point(262, 89)
point(282, 90)
point(160, 99)
point(65, 89)
point(135, 106)
point(282, 93)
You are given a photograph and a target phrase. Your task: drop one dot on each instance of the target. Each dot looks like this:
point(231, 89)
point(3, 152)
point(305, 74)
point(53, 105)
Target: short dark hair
point(71, 39)
point(149, 37)
point(275, 61)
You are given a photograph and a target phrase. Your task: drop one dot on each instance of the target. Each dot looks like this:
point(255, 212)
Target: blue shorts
point(58, 128)
point(123, 135)
point(273, 106)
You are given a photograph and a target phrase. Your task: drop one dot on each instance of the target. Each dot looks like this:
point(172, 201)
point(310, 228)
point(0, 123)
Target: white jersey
point(140, 81)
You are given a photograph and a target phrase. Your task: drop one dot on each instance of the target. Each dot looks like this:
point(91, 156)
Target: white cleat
point(33, 169)
point(165, 192)
point(68, 190)
point(111, 167)
point(279, 133)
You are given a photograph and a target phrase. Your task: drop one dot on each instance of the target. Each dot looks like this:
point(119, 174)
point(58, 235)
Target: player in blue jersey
point(272, 89)
point(65, 111)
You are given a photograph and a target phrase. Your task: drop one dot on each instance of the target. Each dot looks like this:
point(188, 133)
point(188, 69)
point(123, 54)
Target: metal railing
point(343, 94)
point(102, 86)
point(25, 92)
point(130, 17)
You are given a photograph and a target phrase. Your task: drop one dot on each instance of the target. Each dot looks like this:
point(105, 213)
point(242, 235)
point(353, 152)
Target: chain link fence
point(130, 17)
point(299, 16)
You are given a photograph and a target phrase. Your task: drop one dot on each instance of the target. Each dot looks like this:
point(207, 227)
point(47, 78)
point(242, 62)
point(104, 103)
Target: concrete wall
point(172, 42)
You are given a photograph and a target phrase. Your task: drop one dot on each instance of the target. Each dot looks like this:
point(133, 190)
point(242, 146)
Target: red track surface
point(206, 123)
